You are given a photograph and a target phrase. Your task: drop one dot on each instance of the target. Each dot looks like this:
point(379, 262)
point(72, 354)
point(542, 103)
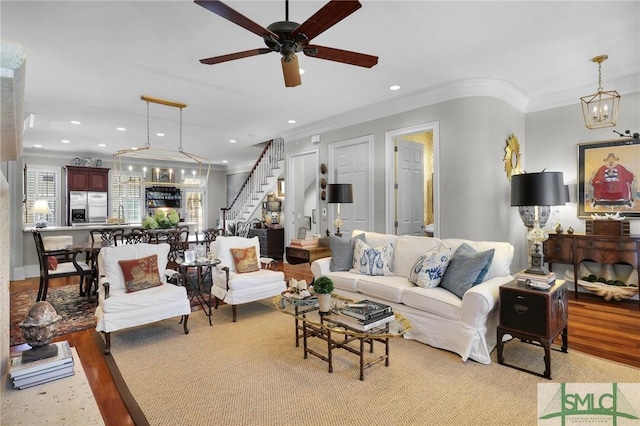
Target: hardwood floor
point(609, 330)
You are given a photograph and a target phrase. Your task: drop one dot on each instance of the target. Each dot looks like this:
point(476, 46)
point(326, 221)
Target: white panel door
point(410, 208)
point(351, 162)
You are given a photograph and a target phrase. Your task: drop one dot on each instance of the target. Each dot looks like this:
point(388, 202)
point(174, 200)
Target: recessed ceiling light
point(133, 148)
point(64, 141)
point(102, 145)
point(232, 141)
point(75, 122)
point(395, 87)
point(291, 121)
point(121, 129)
point(159, 134)
point(224, 161)
point(301, 71)
point(37, 146)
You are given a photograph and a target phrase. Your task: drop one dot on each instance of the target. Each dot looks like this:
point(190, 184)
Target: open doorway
point(412, 180)
point(301, 200)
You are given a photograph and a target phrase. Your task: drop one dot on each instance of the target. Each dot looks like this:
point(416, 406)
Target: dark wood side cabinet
point(297, 255)
point(575, 248)
point(533, 315)
point(87, 179)
point(271, 241)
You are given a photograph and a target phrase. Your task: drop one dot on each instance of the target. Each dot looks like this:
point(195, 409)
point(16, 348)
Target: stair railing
point(258, 176)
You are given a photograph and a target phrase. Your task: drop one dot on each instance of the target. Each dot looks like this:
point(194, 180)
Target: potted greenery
point(323, 287)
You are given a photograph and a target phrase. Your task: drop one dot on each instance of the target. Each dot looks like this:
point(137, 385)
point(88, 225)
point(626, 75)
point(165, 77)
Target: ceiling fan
point(288, 38)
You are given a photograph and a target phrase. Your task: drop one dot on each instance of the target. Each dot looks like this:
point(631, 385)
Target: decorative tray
point(310, 301)
point(607, 291)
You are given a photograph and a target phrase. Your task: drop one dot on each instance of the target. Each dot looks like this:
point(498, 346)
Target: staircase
point(261, 180)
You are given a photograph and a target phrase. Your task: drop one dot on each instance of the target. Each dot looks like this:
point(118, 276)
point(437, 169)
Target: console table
point(574, 248)
point(297, 255)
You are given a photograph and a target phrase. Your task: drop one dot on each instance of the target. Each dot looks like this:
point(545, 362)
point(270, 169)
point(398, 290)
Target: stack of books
point(304, 243)
point(365, 315)
point(26, 375)
point(539, 279)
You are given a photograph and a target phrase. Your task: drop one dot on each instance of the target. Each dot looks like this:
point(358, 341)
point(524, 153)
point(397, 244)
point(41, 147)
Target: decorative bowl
point(609, 292)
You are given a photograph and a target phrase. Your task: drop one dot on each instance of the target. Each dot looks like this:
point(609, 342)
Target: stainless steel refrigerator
point(87, 207)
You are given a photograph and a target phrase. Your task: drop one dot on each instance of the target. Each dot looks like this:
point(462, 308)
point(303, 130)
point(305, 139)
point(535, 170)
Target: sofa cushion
point(502, 258)
point(344, 280)
point(342, 252)
point(465, 268)
point(375, 239)
point(389, 288)
point(408, 248)
point(372, 261)
point(436, 300)
point(429, 269)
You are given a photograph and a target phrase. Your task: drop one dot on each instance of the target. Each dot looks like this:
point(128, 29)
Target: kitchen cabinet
point(87, 179)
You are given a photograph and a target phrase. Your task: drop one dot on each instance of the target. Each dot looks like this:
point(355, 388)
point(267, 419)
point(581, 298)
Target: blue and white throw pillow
point(372, 261)
point(428, 270)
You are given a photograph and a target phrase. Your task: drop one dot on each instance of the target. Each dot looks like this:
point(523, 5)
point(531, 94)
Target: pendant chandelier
point(601, 108)
point(148, 153)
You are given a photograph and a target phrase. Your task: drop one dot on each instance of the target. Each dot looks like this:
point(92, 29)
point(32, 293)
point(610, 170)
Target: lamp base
point(338, 233)
point(537, 263)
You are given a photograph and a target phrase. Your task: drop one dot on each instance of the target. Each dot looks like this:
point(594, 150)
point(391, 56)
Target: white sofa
point(439, 318)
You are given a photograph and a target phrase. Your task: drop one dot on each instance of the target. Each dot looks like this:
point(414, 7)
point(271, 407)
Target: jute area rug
point(251, 373)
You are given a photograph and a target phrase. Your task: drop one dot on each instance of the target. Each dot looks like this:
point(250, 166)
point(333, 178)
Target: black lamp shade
point(537, 189)
point(339, 193)
point(567, 198)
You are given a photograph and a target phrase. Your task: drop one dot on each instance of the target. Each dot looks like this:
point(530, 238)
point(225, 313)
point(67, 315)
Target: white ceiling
point(91, 61)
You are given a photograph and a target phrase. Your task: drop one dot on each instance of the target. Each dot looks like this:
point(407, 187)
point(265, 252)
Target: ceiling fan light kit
point(288, 37)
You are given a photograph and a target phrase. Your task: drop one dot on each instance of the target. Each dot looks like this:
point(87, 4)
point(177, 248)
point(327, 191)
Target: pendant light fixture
point(601, 108)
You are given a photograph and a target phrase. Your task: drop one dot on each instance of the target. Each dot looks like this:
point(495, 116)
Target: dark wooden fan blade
point(291, 71)
point(338, 55)
point(232, 56)
point(237, 18)
point(329, 15)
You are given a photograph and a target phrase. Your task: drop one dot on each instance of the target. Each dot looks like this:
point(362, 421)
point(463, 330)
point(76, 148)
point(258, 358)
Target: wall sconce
point(601, 108)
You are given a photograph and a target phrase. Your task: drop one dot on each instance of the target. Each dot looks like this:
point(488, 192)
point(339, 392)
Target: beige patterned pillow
point(246, 259)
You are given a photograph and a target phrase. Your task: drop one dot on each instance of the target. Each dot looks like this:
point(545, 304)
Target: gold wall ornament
point(512, 157)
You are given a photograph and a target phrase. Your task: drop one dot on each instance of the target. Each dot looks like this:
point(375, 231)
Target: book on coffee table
point(365, 309)
point(363, 325)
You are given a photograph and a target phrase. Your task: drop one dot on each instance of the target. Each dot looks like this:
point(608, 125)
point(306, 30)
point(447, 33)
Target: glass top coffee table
point(309, 323)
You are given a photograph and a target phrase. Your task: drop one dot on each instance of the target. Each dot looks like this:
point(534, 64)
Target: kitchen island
point(79, 233)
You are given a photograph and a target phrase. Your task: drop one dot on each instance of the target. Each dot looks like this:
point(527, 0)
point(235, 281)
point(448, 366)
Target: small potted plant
point(322, 288)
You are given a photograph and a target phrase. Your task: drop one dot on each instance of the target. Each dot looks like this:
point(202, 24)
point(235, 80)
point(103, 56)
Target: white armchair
point(118, 309)
point(235, 288)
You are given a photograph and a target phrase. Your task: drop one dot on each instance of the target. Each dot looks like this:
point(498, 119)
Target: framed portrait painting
point(608, 178)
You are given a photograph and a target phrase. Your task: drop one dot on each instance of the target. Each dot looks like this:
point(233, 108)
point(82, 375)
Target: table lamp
point(338, 193)
point(537, 189)
point(41, 210)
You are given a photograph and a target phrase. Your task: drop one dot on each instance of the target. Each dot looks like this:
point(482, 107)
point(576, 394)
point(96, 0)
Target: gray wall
point(474, 189)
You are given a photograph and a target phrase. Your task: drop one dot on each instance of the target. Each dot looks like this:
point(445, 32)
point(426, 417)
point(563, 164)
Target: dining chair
point(105, 235)
point(57, 264)
point(135, 236)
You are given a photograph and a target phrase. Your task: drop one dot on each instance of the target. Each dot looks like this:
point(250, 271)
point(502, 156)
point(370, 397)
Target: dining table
point(92, 249)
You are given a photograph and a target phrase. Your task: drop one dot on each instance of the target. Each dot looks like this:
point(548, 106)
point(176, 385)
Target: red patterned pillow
point(52, 263)
point(140, 274)
point(246, 259)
